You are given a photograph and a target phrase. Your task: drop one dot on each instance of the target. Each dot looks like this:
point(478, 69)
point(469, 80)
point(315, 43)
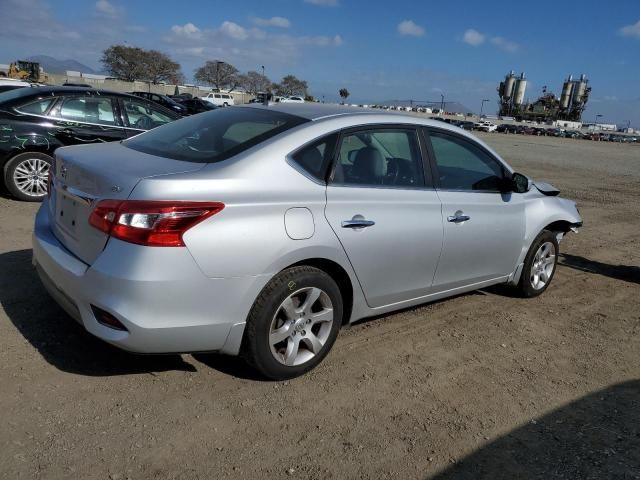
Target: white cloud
point(107, 9)
point(234, 30)
point(323, 3)
point(409, 27)
point(632, 31)
point(279, 22)
point(243, 46)
point(504, 44)
point(473, 37)
point(323, 41)
point(188, 30)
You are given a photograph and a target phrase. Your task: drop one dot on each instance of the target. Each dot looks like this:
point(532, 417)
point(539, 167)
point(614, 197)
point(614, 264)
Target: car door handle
point(458, 217)
point(357, 223)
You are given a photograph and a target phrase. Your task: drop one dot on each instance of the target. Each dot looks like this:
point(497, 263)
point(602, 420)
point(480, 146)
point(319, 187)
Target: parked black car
point(35, 121)
point(163, 100)
point(196, 105)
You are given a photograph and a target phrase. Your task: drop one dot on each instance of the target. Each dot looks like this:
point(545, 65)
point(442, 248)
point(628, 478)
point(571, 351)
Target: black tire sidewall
point(256, 346)
point(524, 286)
point(9, 169)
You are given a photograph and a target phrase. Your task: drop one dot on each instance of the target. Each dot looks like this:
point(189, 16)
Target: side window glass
point(39, 107)
point(143, 116)
point(386, 157)
point(464, 166)
point(316, 157)
point(87, 109)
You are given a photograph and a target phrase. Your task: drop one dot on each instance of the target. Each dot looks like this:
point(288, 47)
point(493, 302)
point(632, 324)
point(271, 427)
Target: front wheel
point(539, 265)
point(25, 176)
point(293, 323)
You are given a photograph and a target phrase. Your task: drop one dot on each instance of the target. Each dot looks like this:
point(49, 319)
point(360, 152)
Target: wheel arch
point(339, 275)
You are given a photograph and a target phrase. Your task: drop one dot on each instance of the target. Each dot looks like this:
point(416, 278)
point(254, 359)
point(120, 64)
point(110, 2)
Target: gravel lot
point(479, 386)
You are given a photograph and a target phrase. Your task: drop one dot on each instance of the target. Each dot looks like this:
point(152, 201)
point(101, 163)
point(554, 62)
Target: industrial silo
point(579, 87)
point(567, 88)
point(509, 83)
point(520, 88)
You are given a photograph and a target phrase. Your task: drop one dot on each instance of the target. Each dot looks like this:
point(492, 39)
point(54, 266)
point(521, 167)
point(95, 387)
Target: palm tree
point(344, 93)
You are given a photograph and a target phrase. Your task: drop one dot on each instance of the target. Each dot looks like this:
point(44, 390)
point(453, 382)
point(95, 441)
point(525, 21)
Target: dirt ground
point(481, 386)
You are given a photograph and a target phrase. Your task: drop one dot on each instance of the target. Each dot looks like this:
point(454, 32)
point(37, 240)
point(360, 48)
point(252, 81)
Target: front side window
point(39, 107)
point(215, 135)
point(86, 109)
point(464, 166)
point(385, 157)
point(143, 116)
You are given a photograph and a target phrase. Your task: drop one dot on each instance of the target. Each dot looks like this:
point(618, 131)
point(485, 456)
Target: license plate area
point(67, 213)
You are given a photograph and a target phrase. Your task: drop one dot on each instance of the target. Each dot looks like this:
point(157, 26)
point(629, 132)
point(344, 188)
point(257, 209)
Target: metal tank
point(579, 88)
point(567, 89)
point(509, 83)
point(520, 88)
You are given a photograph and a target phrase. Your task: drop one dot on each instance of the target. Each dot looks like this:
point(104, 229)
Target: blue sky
point(379, 50)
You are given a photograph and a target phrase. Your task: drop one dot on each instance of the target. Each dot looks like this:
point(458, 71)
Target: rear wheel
point(25, 176)
point(293, 323)
point(539, 266)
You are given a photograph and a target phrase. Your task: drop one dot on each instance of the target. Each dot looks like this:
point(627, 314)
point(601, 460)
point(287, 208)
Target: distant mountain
point(54, 65)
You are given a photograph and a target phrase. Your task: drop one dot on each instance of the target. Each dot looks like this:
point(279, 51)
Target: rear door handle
point(357, 223)
point(458, 217)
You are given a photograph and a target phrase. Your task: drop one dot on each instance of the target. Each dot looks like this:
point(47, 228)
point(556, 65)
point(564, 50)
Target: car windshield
point(213, 136)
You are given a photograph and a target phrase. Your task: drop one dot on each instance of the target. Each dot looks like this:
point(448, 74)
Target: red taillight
point(151, 223)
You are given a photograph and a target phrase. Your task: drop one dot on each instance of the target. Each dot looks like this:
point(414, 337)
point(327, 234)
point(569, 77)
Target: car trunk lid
point(87, 174)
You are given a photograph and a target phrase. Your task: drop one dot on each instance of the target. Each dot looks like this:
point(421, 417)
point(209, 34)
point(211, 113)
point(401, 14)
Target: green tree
point(254, 82)
point(134, 63)
point(291, 85)
point(219, 74)
point(344, 94)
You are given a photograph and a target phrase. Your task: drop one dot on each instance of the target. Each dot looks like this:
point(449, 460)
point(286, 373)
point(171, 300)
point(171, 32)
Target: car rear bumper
point(160, 295)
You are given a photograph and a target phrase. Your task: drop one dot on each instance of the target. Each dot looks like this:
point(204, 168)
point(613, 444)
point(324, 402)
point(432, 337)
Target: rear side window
point(315, 158)
point(215, 135)
point(86, 109)
point(39, 107)
point(380, 157)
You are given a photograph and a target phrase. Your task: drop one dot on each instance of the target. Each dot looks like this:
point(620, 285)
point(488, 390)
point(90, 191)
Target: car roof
point(52, 90)
point(310, 110)
point(320, 111)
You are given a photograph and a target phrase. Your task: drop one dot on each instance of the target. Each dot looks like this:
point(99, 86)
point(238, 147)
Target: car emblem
point(63, 171)
point(116, 188)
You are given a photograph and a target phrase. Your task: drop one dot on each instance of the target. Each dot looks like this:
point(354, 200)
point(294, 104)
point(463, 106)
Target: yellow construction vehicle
point(29, 71)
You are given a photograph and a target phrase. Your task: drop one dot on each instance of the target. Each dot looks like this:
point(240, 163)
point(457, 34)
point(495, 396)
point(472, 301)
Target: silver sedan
point(262, 230)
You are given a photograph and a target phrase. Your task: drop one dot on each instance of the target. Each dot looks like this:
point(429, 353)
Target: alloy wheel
point(543, 265)
point(301, 326)
point(30, 177)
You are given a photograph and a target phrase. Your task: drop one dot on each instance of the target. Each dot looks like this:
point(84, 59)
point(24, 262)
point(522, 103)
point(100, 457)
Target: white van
point(219, 99)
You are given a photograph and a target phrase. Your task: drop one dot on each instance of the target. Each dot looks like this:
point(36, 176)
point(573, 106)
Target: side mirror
point(520, 183)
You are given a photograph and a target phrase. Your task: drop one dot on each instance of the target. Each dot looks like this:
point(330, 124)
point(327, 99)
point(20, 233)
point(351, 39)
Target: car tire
point(293, 323)
point(539, 265)
point(22, 165)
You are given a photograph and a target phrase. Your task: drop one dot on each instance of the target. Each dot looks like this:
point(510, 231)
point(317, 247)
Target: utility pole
point(442, 103)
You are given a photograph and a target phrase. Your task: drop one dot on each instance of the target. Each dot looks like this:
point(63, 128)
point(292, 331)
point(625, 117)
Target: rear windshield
point(213, 136)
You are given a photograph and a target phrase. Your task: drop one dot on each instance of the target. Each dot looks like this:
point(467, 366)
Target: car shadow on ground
point(594, 437)
point(626, 273)
point(59, 339)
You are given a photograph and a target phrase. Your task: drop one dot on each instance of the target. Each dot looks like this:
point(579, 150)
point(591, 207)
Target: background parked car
point(292, 99)
point(36, 121)
point(163, 100)
point(219, 99)
point(196, 105)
